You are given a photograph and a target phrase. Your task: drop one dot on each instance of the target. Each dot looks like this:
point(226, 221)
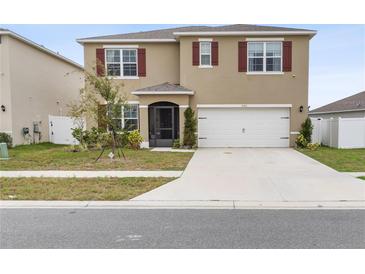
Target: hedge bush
point(6, 138)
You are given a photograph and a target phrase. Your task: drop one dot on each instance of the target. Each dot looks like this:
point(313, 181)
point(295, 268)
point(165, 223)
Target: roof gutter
point(244, 33)
point(82, 41)
point(337, 111)
point(40, 47)
point(172, 92)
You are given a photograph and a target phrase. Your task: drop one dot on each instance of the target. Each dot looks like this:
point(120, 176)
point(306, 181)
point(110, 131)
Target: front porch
point(161, 113)
point(163, 124)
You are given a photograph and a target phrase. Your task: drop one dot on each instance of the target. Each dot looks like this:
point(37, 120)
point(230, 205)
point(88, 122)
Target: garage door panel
point(249, 127)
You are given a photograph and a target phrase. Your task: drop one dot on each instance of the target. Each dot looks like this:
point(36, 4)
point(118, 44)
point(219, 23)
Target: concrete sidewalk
point(89, 174)
point(185, 204)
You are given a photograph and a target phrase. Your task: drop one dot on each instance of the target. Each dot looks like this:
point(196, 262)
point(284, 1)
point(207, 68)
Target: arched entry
point(163, 124)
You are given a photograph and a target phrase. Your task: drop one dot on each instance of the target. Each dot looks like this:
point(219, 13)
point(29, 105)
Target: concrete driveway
point(258, 174)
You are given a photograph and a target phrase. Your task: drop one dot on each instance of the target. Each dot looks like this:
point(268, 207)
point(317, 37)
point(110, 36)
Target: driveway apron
point(258, 174)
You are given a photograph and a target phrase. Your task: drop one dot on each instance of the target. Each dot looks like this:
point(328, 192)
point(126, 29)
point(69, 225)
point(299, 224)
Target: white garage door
point(243, 127)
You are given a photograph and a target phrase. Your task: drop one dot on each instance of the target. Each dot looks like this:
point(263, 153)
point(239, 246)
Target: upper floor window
point(121, 62)
point(265, 56)
point(205, 54)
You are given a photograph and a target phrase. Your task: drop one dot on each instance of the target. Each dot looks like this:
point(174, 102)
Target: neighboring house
point(248, 84)
point(34, 82)
point(340, 124)
point(349, 107)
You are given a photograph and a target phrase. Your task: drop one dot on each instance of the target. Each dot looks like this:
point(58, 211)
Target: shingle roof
point(352, 103)
point(164, 87)
point(168, 33)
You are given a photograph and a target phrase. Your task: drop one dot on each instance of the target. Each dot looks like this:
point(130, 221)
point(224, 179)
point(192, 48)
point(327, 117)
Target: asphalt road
point(181, 228)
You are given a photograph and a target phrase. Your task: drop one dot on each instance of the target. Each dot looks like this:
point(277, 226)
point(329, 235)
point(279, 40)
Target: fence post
point(320, 130)
point(338, 132)
point(330, 131)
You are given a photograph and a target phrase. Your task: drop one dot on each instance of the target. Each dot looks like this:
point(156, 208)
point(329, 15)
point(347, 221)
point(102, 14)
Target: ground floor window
point(130, 117)
point(127, 117)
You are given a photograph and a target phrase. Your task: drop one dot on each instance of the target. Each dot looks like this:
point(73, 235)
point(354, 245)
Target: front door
point(162, 126)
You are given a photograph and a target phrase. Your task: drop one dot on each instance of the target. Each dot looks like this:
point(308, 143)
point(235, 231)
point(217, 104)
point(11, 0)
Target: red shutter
point(287, 55)
point(141, 62)
point(242, 56)
point(100, 62)
point(196, 54)
point(214, 53)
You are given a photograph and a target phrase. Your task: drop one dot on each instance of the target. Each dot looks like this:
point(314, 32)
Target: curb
point(185, 204)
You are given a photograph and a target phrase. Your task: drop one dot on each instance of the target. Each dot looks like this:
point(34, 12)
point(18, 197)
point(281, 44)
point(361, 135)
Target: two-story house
point(35, 83)
point(248, 84)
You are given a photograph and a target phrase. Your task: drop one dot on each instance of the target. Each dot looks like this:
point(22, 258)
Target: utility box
point(4, 155)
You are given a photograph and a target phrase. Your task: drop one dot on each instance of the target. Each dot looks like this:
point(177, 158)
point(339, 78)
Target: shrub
point(135, 139)
point(122, 138)
point(189, 128)
point(94, 137)
point(176, 143)
point(6, 138)
point(90, 138)
point(301, 141)
point(79, 134)
point(306, 130)
point(313, 146)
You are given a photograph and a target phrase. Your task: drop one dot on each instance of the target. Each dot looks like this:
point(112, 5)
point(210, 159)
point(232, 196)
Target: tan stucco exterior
point(5, 96)
point(162, 61)
point(222, 84)
point(34, 84)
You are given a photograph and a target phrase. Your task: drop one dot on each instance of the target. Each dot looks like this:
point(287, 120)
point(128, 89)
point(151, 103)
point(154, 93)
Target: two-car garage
point(243, 125)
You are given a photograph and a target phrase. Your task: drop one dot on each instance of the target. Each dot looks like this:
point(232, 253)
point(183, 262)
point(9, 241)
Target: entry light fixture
point(301, 109)
point(3, 108)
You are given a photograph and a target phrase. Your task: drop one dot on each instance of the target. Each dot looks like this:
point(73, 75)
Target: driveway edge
point(186, 204)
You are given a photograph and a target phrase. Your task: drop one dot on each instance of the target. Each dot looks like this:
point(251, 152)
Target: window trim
point(121, 62)
point(210, 54)
point(124, 118)
point(264, 71)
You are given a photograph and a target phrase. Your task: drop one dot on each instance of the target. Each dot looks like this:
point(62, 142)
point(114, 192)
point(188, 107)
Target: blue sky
point(337, 52)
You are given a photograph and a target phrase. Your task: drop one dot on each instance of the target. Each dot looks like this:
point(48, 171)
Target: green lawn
point(345, 160)
point(46, 156)
point(77, 189)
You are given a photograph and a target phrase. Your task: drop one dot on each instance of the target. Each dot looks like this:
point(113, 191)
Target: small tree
point(306, 130)
point(100, 89)
point(78, 111)
point(190, 128)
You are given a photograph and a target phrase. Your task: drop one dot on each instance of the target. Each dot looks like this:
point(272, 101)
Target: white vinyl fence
point(60, 129)
point(339, 132)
